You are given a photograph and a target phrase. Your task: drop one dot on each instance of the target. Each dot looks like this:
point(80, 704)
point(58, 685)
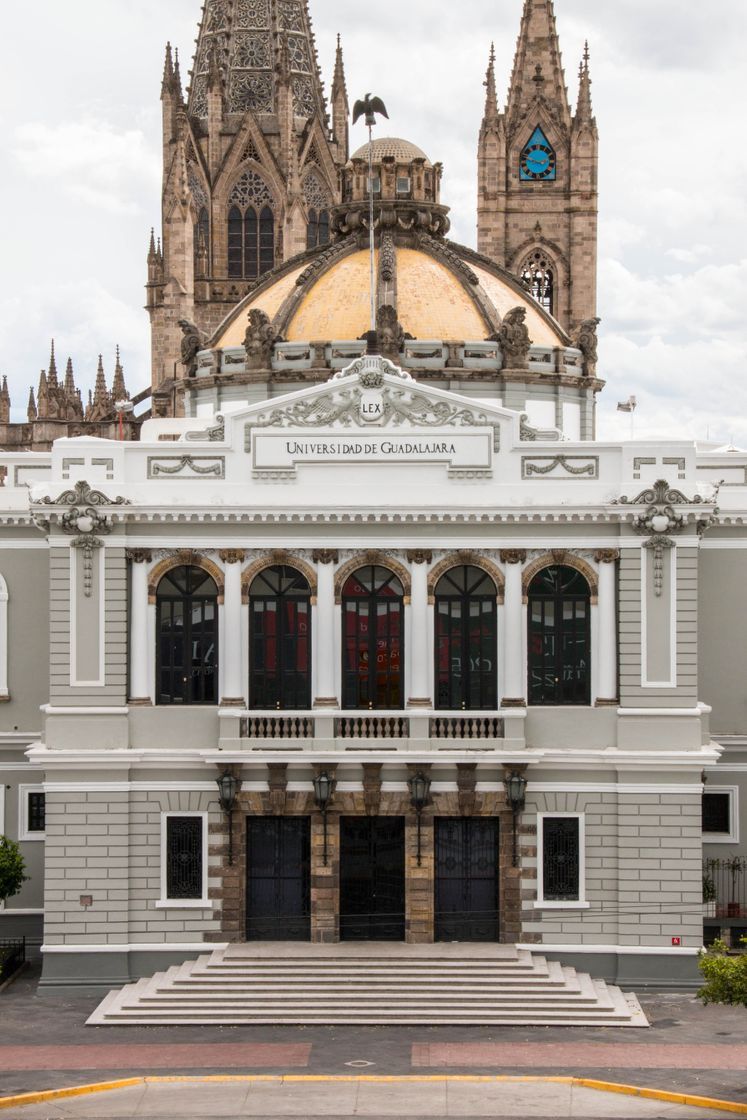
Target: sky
point(80, 118)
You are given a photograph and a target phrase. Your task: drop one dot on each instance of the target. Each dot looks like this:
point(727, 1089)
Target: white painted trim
point(203, 900)
point(20, 767)
point(663, 712)
point(2, 813)
point(574, 903)
point(136, 947)
point(127, 787)
point(732, 836)
point(24, 544)
point(184, 903)
point(716, 544)
point(611, 787)
point(23, 812)
point(3, 638)
point(721, 768)
point(52, 710)
point(9, 911)
point(561, 905)
point(647, 561)
point(619, 950)
point(98, 560)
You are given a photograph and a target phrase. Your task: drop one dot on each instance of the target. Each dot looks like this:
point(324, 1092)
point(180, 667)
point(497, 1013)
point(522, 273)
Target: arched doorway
point(466, 640)
point(559, 615)
point(187, 636)
point(280, 639)
point(373, 639)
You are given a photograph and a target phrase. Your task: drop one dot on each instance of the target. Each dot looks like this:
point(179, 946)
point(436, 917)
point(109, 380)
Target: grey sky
point(81, 179)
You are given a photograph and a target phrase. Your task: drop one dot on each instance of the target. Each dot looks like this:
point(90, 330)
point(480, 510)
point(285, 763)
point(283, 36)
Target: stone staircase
point(370, 983)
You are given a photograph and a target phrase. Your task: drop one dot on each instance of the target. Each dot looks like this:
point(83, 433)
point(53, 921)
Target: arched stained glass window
point(251, 242)
point(559, 638)
point(538, 277)
point(280, 640)
point(317, 229)
point(187, 635)
point(466, 641)
point(202, 239)
point(373, 640)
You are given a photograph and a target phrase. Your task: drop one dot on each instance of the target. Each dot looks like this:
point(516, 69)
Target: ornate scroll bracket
point(528, 434)
point(663, 521)
point(420, 556)
point(84, 520)
point(325, 556)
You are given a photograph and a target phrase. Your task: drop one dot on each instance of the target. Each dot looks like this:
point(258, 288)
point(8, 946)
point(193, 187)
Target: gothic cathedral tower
point(250, 165)
point(537, 175)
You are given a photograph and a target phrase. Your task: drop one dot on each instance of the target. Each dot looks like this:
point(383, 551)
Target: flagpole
point(371, 225)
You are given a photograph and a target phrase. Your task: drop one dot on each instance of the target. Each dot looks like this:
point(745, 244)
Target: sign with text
point(458, 450)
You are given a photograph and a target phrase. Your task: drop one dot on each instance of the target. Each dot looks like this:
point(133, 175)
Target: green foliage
point(12, 869)
point(725, 976)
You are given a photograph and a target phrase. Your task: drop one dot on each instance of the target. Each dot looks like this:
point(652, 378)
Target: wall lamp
point(228, 792)
point(516, 792)
point(420, 787)
point(323, 790)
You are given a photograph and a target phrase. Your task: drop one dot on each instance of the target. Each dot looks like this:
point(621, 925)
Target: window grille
point(184, 857)
point(561, 872)
point(36, 812)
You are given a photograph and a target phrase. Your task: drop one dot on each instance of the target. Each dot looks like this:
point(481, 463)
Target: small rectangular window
point(375, 184)
point(36, 821)
point(184, 857)
point(720, 815)
point(403, 185)
point(561, 859)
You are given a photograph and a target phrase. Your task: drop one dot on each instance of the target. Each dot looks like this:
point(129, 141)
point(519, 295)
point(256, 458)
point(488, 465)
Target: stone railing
point(412, 728)
point(467, 727)
point(372, 727)
point(273, 726)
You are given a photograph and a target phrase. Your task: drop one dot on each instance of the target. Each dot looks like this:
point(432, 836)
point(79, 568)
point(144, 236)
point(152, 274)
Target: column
point(419, 658)
point(230, 671)
point(139, 631)
point(514, 669)
point(607, 629)
point(324, 630)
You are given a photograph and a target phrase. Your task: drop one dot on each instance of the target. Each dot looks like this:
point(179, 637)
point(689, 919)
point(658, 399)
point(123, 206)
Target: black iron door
point(466, 879)
point(372, 878)
point(277, 879)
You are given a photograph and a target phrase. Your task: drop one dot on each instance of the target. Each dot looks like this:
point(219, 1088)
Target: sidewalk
point(404, 1098)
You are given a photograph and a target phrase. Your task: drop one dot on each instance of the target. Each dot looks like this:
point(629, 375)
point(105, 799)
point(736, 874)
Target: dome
point(401, 150)
point(439, 295)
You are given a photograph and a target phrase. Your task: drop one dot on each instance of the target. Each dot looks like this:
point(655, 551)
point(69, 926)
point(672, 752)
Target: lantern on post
point(420, 788)
point(323, 789)
point(516, 791)
point(228, 791)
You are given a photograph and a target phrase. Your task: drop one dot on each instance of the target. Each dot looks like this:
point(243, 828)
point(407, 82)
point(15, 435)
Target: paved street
point(44, 1044)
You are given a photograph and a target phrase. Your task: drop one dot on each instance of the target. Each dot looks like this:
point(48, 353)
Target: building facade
point(367, 636)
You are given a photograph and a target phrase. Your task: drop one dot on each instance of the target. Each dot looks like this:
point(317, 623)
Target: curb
point(580, 1082)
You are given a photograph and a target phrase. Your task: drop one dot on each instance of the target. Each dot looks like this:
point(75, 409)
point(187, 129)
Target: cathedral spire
point(52, 380)
point(119, 391)
point(245, 38)
point(4, 402)
point(177, 81)
point(100, 407)
point(340, 107)
point(491, 96)
point(584, 111)
point(31, 407)
point(538, 66)
point(70, 379)
point(168, 73)
point(43, 396)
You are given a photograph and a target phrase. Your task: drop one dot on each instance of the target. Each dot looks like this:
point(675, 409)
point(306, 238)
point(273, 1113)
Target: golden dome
point(440, 296)
point(401, 150)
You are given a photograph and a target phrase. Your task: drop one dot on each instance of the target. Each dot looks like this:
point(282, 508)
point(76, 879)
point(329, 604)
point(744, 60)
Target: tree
point(12, 869)
point(725, 976)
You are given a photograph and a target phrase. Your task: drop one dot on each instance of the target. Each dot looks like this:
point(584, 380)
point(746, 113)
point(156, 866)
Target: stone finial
point(4, 402)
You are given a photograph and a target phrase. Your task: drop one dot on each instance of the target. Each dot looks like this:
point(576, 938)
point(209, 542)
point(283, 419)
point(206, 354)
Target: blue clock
point(538, 161)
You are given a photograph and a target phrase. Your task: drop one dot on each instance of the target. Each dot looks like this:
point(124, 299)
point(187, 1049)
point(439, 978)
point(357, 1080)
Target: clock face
point(538, 160)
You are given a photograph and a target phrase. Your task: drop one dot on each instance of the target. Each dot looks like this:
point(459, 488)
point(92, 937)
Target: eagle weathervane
point(369, 106)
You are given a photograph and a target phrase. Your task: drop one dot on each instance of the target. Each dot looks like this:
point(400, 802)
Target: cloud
point(90, 160)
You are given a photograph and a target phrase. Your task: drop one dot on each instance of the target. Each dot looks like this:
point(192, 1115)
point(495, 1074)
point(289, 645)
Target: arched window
point(251, 242)
point(373, 640)
point(317, 230)
point(538, 277)
point(202, 241)
point(466, 641)
point(312, 230)
point(559, 638)
point(187, 634)
point(280, 640)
